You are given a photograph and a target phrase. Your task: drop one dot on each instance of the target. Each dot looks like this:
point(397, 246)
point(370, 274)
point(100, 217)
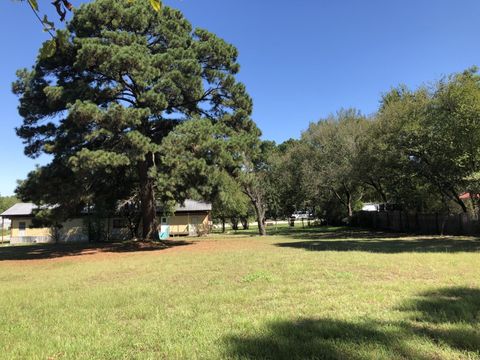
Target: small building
point(192, 218)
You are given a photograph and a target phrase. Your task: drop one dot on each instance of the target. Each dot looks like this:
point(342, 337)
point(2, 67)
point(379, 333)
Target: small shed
point(191, 218)
point(21, 215)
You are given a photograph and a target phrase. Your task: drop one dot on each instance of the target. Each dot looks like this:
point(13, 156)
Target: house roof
point(192, 205)
point(20, 209)
point(26, 209)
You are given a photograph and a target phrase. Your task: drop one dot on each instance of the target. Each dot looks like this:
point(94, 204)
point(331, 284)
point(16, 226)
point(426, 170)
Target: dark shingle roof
point(20, 209)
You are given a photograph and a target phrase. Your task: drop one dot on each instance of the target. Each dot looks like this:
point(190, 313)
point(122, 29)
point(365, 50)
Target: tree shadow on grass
point(342, 239)
point(321, 232)
point(448, 315)
point(316, 232)
point(51, 251)
point(307, 339)
point(416, 338)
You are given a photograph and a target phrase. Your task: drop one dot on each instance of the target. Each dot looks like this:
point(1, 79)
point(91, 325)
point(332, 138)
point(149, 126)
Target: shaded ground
point(446, 316)
point(342, 239)
point(311, 239)
point(51, 251)
point(21, 253)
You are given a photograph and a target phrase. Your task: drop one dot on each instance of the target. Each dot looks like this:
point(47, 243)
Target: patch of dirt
point(80, 252)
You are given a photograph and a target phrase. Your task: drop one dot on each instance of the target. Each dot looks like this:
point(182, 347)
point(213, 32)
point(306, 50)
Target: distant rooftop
point(26, 209)
point(192, 205)
point(20, 209)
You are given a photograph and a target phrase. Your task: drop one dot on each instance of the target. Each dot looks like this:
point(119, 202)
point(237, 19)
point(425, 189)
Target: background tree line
point(6, 202)
point(420, 151)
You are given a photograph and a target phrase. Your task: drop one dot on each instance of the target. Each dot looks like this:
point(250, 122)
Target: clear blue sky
point(300, 59)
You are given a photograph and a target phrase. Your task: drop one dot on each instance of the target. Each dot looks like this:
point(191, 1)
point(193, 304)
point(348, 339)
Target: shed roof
point(192, 205)
point(20, 209)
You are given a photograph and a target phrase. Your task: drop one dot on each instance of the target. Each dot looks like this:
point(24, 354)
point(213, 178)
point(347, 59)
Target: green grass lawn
point(297, 294)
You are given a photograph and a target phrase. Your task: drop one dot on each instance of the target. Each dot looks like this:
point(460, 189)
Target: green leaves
point(48, 25)
point(97, 159)
point(33, 4)
point(61, 6)
point(6, 202)
point(156, 4)
point(48, 49)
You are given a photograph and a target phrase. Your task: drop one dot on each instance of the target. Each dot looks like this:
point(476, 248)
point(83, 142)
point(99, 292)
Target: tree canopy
point(420, 152)
point(61, 7)
point(121, 79)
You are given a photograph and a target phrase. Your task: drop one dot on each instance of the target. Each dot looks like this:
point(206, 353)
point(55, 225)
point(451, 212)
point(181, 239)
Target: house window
point(21, 228)
point(164, 220)
point(120, 223)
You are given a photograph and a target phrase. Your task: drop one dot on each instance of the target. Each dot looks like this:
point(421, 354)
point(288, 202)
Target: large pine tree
point(121, 78)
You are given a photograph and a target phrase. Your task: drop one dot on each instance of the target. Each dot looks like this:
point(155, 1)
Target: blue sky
point(300, 59)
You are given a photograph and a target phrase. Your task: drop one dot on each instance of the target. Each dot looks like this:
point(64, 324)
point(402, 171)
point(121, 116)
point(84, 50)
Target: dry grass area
point(297, 294)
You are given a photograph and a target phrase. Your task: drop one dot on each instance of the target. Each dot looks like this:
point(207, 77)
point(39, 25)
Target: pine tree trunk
point(147, 197)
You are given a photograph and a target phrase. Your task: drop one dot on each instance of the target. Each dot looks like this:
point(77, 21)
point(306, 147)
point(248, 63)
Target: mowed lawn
point(297, 294)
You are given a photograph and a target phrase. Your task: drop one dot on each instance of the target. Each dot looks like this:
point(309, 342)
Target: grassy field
point(297, 294)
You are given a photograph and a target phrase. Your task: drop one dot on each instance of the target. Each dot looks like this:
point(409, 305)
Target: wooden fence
point(435, 224)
